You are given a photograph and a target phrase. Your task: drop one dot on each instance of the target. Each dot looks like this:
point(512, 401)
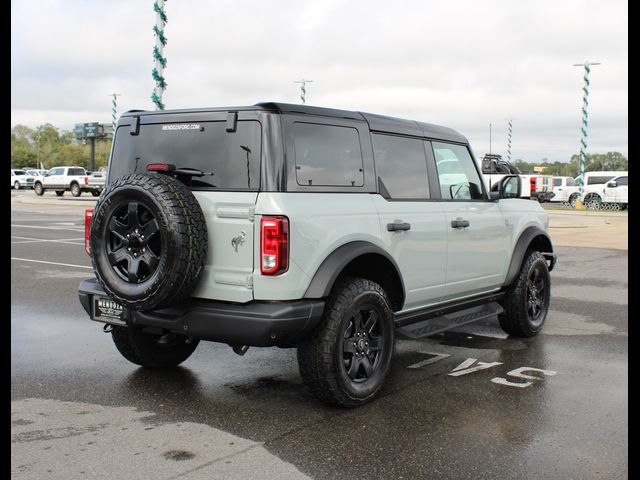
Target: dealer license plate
point(106, 310)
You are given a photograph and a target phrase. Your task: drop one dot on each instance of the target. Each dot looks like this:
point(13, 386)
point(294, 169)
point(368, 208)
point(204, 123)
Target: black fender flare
point(334, 264)
point(520, 250)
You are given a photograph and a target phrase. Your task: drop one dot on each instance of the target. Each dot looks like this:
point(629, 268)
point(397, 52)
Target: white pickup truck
point(534, 186)
point(599, 191)
point(61, 179)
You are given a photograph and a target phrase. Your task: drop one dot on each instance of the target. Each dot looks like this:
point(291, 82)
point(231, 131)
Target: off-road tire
point(321, 358)
point(75, 190)
point(59, 193)
point(516, 319)
point(38, 189)
point(149, 350)
point(182, 230)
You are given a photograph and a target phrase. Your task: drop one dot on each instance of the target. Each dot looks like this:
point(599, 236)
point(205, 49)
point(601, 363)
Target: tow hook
point(240, 349)
point(108, 328)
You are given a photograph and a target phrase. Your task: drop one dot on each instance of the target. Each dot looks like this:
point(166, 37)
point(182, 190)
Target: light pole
point(585, 119)
point(158, 50)
point(303, 89)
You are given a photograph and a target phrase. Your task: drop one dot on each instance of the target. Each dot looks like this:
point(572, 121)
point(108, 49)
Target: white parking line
point(50, 263)
point(66, 241)
point(79, 229)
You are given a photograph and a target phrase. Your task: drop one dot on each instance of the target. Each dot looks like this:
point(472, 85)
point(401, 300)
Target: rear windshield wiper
point(192, 172)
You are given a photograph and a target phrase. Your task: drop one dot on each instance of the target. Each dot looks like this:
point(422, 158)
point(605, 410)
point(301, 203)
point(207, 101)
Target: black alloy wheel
point(133, 242)
point(536, 296)
point(362, 341)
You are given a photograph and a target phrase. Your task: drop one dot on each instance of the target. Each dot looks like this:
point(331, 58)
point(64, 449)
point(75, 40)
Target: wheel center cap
point(361, 344)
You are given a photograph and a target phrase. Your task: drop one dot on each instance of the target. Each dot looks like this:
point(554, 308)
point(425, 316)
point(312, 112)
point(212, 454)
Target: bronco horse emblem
point(239, 240)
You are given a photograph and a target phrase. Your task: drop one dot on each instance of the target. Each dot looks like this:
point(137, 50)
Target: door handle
point(398, 225)
point(459, 223)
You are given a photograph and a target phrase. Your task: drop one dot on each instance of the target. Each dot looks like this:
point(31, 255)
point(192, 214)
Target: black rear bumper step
point(257, 323)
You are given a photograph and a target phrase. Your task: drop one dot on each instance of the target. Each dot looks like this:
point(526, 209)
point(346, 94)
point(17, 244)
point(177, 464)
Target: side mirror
point(612, 184)
point(510, 186)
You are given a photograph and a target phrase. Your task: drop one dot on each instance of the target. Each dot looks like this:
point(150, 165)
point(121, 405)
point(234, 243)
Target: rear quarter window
point(327, 155)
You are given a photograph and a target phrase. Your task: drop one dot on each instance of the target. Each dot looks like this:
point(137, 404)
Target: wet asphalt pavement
point(570, 422)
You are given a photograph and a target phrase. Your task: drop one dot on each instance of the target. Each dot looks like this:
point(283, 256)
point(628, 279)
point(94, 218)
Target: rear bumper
point(257, 323)
point(543, 196)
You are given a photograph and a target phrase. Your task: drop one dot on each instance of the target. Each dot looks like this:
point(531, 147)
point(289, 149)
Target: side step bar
point(432, 324)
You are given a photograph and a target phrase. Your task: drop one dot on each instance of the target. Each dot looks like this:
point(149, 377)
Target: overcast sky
point(462, 64)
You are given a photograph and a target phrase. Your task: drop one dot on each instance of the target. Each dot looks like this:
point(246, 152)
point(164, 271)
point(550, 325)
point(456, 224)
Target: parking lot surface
point(457, 405)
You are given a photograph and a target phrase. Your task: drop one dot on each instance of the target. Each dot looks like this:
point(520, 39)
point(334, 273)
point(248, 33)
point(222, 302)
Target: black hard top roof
point(380, 123)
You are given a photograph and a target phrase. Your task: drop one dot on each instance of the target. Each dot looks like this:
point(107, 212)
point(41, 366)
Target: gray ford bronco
point(329, 231)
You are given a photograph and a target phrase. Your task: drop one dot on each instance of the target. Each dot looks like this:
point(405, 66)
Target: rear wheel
point(75, 190)
point(39, 189)
point(527, 300)
point(59, 193)
point(152, 350)
point(347, 358)
point(95, 193)
point(572, 200)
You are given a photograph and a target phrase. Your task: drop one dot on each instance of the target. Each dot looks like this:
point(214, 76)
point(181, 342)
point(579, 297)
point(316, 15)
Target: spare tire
point(148, 241)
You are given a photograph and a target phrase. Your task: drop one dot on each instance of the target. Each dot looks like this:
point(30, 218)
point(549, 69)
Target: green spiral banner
point(158, 54)
point(585, 122)
point(509, 141)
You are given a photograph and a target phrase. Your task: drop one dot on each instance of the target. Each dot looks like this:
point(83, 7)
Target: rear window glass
point(232, 157)
point(77, 171)
point(327, 155)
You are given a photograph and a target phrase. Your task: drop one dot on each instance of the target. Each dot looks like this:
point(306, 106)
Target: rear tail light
point(532, 183)
point(274, 245)
point(86, 180)
point(88, 215)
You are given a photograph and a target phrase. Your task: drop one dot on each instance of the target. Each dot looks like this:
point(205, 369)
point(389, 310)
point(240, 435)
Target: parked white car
point(20, 179)
point(613, 194)
point(594, 183)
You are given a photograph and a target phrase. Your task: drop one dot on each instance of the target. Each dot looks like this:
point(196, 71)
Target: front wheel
point(347, 358)
point(150, 350)
point(95, 193)
point(16, 185)
point(39, 189)
point(527, 300)
point(572, 201)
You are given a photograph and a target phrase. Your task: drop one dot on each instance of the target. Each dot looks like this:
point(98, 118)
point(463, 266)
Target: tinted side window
point(557, 182)
point(76, 171)
point(622, 181)
point(457, 175)
point(232, 157)
point(402, 166)
point(327, 155)
point(598, 180)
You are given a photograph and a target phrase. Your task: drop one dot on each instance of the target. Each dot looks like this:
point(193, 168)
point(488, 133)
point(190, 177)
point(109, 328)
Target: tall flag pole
point(158, 51)
point(303, 94)
point(585, 120)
